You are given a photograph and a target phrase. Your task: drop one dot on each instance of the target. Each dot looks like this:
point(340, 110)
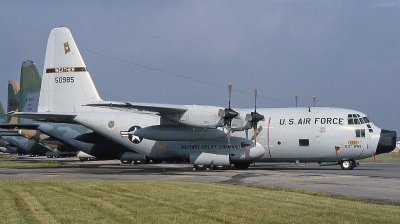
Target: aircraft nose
point(387, 142)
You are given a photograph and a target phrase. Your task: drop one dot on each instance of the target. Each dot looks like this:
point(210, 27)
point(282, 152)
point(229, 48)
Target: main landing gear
point(237, 166)
point(348, 164)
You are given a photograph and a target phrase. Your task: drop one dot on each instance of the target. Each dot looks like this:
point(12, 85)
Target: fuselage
point(287, 135)
point(319, 135)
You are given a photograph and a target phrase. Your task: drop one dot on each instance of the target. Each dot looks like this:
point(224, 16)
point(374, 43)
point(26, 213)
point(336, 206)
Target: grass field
point(387, 157)
point(31, 164)
point(45, 201)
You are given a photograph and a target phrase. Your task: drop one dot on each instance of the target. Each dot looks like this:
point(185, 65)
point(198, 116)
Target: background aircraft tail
point(3, 118)
point(13, 100)
point(13, 95)
point(30, 82)
point(66, 83)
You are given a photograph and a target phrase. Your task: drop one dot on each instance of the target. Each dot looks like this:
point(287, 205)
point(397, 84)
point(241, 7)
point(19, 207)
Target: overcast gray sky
point(347, 53)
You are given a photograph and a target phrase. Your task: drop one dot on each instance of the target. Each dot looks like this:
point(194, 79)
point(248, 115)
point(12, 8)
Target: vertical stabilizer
point(66, 83)
point(13, 96)
point(3, 118)
point(13, 99)
point(29, 87)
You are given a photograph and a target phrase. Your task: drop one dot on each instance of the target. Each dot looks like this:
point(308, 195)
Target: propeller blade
point(254, 118)
point(255, 133)
point(228, 113)
point(255, 100)
point(229, 136)
point(229, 94)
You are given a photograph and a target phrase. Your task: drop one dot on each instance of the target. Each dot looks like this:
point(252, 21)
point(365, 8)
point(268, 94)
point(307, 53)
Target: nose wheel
point(348, 164)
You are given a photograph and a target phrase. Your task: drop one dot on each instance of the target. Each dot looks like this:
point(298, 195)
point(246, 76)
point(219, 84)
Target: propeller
point(228, 114)
point(254, 117)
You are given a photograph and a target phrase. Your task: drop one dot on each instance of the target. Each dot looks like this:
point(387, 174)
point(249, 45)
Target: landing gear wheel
point(222, 167)
point(202, 167)
point(126, 161)
point(241, 166)
point(347, 164)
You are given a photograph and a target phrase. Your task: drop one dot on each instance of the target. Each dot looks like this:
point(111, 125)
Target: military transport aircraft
point(194, 132)
point(22, 99)
point(64, 139)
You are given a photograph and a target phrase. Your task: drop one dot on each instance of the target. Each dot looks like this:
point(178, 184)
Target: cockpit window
point(357, 119)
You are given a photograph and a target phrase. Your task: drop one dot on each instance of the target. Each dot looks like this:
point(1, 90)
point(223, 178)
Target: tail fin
point(13, 99)
point(3, 118)
point(66, 83)
point(13, 95)
point(30, 87)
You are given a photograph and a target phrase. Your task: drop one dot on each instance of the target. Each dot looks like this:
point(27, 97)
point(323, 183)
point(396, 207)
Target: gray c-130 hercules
point(194, 132)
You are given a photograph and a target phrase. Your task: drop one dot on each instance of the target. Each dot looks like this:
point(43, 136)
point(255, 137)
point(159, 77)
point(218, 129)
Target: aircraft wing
point(160, 109)
point(9, 133)
point(19, 126)
point(53, 117)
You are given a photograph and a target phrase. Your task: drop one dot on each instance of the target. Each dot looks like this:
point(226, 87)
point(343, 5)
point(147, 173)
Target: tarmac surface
point(371, 180)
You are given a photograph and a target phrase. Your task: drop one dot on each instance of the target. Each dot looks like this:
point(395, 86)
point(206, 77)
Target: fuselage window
point(366, 119)
point(350, 121)
point(356, 119)
point(360, 133)
point(304, 142)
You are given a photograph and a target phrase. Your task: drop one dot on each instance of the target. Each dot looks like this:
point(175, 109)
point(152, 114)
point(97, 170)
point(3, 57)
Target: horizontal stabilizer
point(53, 117)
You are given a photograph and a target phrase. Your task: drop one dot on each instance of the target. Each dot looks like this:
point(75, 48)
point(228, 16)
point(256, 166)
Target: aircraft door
point(328, 143)
point(165, 149)
point(357, 145)
point(364, 147)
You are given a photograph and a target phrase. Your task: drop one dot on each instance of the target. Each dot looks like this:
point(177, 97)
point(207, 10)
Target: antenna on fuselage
point(296, 97)
point(314, 99)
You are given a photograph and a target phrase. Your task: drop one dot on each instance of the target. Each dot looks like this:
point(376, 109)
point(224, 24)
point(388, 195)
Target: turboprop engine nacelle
point(208, 117)
point(198, 116)
point(244, 151)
